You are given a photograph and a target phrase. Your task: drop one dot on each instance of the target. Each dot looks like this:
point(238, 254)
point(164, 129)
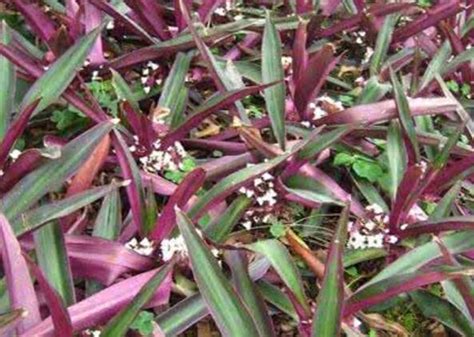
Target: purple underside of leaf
point(319, 66)
point(15, 131)
point(409, 282)
point(442, 225)
point(19, 283)
point(100, 307)
point(59, 315)
point(386, 110)
point(93, 19)
point(167, 220)
point(27, 162)
point(231, 148)
point(151, 13)
point(38, 21)
point(159, 184)
point(436, 14)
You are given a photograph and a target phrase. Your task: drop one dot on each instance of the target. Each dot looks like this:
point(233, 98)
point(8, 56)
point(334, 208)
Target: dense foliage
point(236, 168)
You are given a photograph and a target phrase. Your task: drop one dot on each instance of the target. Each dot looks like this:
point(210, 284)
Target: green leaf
point(405, 114)
point(228, 311)
point(453, 86)
point(328, 315)
point(396, 157)
point(383, 42)
point(249, 292)
point(120, 323)
point(373, 91)
point(58, 77)
point(7, 83)
point(53, 260)
point(38, 183)
point(284, 265)
point(32, 219)
point(277, 298)
point(123, 91)
point(272, 70)
point(221, 227)
point(277, 229)
point(439, 309)
point(437, 63)
point(443, 208)
point(172, 94)
point(368, 170)
point(323, 142)
point(343, 159)
point(143, 323)
point(370, 192)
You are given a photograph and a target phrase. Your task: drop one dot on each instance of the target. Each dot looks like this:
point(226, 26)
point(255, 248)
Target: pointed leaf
point(7, 83)
point(272, 71)
point(226, 308)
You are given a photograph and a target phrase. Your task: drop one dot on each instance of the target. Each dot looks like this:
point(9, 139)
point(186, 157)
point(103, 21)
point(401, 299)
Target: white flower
point(221, 11)
point(144, 79)
point(95, 75)
point(152, 65)
point(375, 241)
point(93, 333)
point(247, 224)
point(370, 225)
point(144, 247)
point(286, 61)
point(391, 239)
point(172, 246)
point(267, 176)
point(15, 154)
point(319, 113)
point(146, 72)
point(357, 240)
point(404, 226)
point(356, 323)
point(306, 124)
point(375, 208)
point(110, 25)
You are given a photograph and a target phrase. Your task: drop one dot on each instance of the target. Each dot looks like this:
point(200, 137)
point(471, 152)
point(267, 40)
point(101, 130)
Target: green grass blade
point(437, 63)
point(272, 70)
point(120, 323)
point(58, 77)
point(123, 91)
point(53, 260)
point(226, 308)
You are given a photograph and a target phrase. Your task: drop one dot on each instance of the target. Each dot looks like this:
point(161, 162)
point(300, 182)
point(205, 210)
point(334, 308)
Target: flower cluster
point(147, 78)
point(158, 160)
point(145, 247)
point(172, 246)
point(262, 190)
point(372, 233)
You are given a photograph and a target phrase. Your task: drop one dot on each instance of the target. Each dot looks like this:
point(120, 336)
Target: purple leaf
point(59, 315)
point(42, 25)
point(188, 187)
point(103, 305)
point(19, 283)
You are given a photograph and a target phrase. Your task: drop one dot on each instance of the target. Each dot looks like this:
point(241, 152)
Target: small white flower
point(152, 65)
point(144, 247)
point(359, 40)
point(247, 224)
point(375, 241)
point(357, 240)
point(93, 333)
point(267, 176)
point(375, 208)
point(319, 113)
point(370, 225)
point(286, 61)
point(356, 323)
point(143, 79)
point(132, 148)
point(172, 246)
point(391, 239)
point(221, 11)
point(368, 54)
point(257, 182)
point(110, 25)
point(306, 124)
point(404, 226)
point(95, 75)
point(146, 72)
point(146, 90)
point(15, 154)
